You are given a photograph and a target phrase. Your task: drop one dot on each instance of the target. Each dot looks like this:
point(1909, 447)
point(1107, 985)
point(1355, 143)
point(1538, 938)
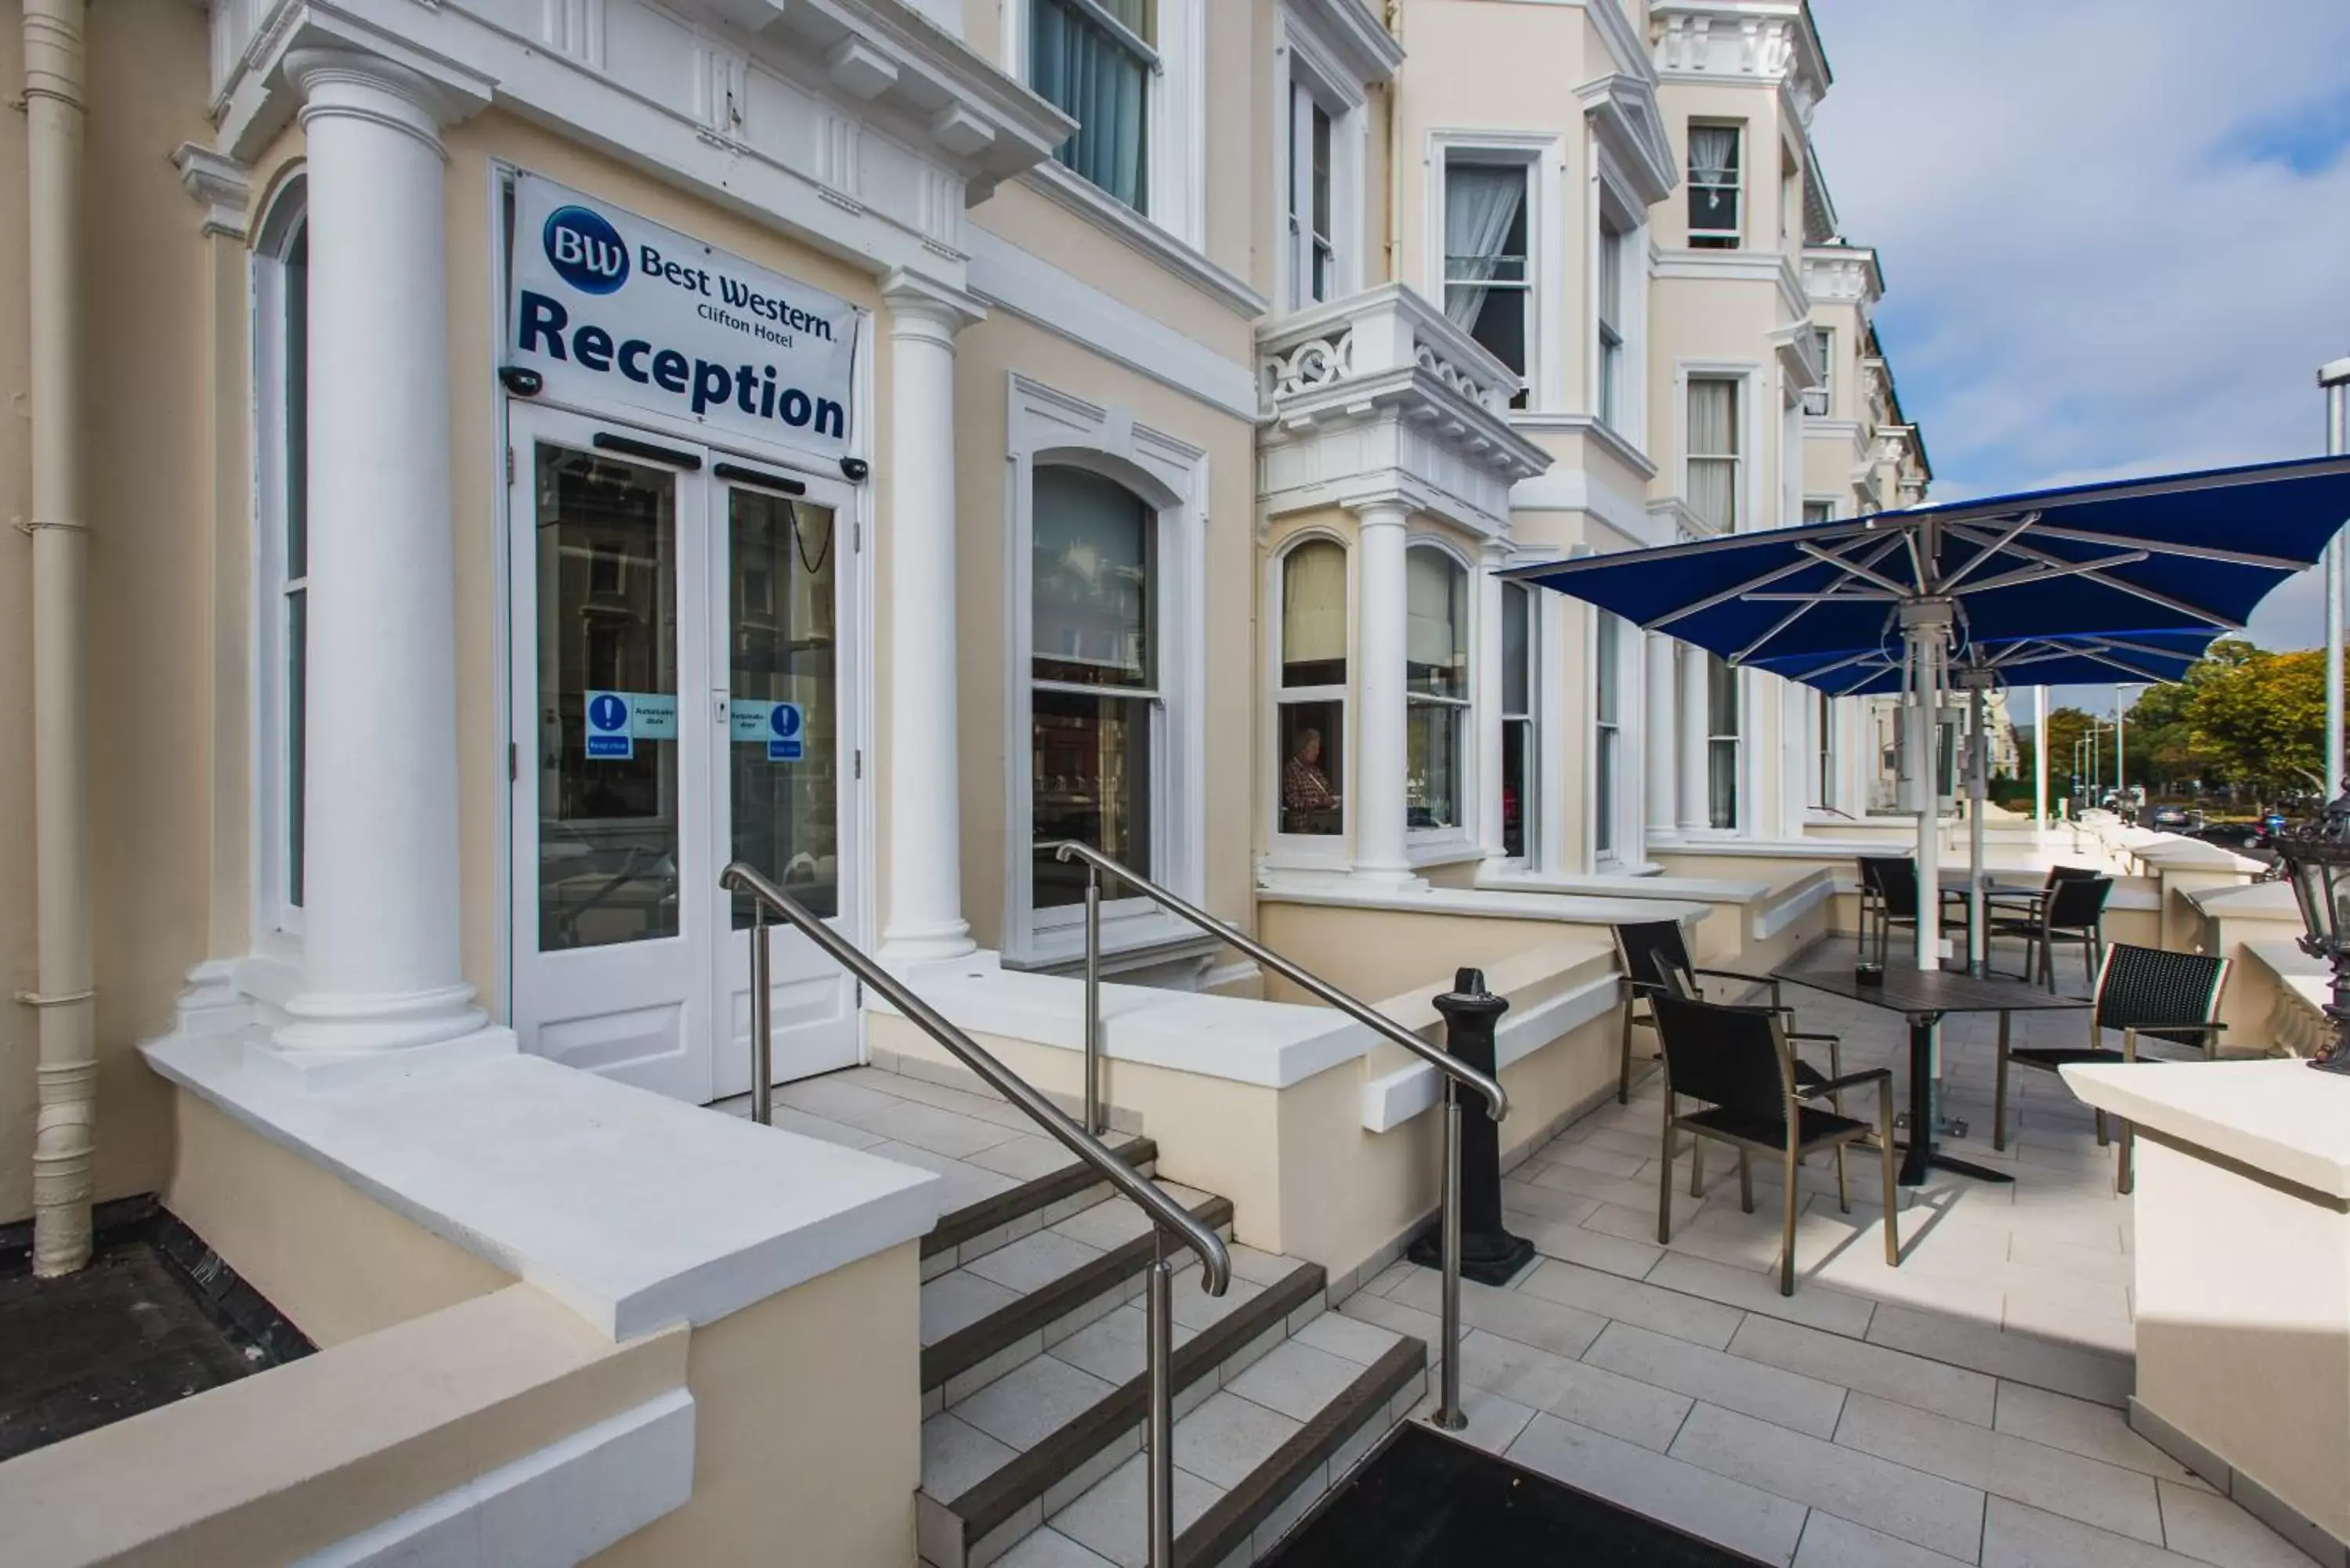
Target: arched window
point(1312, 697)
point(1436, 688)
point(1093, 670)
point(282, 549)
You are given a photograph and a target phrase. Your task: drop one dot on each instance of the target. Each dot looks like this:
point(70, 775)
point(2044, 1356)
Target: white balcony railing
point(1382, 329)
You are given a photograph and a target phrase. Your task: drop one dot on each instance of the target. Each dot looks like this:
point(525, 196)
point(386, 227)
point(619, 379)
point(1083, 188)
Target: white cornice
point(1623, 108)
point(1727, 40)
point(1122, 223)
point(1591, 428)
point(1347, 29)
point(1623, 41)
point(218, 184)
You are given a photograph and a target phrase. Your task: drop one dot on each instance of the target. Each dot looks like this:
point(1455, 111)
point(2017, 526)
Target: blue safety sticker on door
point(784, 741)
point(609, 736)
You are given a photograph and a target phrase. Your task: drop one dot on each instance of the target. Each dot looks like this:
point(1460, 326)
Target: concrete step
point(977, 1229)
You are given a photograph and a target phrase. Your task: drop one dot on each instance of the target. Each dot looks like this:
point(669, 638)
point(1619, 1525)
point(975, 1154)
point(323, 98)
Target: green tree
point(2260, 718)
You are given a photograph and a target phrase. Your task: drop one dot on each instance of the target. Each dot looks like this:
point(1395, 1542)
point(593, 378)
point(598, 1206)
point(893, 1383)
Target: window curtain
point(1481, 202)
point(1314, 615)
point(1436, 637)
point(1714, 163)
point(1712, 451)
point(1083, 69)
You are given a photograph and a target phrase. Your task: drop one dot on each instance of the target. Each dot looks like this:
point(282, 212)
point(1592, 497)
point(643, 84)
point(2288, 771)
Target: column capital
point(1380, 514)
point(218, 183)
point(924, 307)
point(357, 83)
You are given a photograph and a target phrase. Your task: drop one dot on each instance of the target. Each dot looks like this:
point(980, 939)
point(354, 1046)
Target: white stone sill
point(2273, 1115)
point(1555, 991)
point(1769, 909)
point(1270, 1044)
point(1488, 903)
point(2255, 900)
point(634, 1210)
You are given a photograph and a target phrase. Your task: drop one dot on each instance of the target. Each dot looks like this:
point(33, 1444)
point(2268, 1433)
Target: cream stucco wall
point(148, 341)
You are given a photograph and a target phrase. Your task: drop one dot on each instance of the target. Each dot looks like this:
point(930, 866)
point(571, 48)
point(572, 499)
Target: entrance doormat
point(1425, 1499)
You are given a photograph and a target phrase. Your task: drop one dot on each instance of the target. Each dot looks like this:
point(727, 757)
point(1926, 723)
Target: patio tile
point(2090, 1262)
point(2203, 1524)
point(1048, 1548)
point(1686, 1495)
point(2016, 1535)
point(1953, 1391)
point(2077, 1426)
point(1546, 1202)
point(1907, 1504)
point(1296, 1379)
point(1786, 1399)
point(2087, 1490)
point(957, 1456)
point(949, 1133)
point(1668, 1311)
point(957, 1300)
point(2082, 1374)
point(1494, 1422)
point(1535, 1319)
point(1032, 1401)
point(1107, 1519)
point(1627, 1407)
point(2029, 1316)
point(1021, 1155)
point(1592, 1248)
point(1227, 1437)
point(1812, 1304)
point(1833, 1543)
point(1032, 1261)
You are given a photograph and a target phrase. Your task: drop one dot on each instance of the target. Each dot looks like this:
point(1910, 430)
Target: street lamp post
point(2317, 862)
point(2335, 378)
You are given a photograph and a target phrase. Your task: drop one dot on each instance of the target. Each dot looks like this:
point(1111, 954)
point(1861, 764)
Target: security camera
point(855, 469)
point(521, 381)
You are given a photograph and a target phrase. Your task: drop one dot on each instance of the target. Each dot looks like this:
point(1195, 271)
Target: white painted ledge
point(1770, 908)
point(634, 1210)
point(1272, 1044)
point(1490, 903)
point(2275, 1115)
point(1395, 1097)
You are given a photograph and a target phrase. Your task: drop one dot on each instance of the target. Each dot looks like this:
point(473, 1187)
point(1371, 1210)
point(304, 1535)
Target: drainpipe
point(65, 1133)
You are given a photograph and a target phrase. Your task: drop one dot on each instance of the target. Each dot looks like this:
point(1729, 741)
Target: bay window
point(1488, 284)
point(1518, 753)
point(1712, 451)
point(1093, 60)
point(1607, 738)
point(1436, 688)
point(1311, 698)
point(1714, 187)
point(1094, 702)
point(1817, 400)
point(1721, 746)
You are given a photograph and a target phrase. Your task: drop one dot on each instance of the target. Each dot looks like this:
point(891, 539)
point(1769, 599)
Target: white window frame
point(1175, 191)
point(1611, 834)
point(1820, 399)
point(1308, 71)
point(1543, 154)
point(1310, 849)
point(1735, 235)
point(1829, 501)
point(1617, 209)
point(1424, 845)
point(276, 762)
point(1742, 802)
point(1824, 759)
point(1747, 374)
point(1529, 849)
point(1047, 426)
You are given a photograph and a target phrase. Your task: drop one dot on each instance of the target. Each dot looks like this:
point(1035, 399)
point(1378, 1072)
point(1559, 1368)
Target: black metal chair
point(2070, 910)
point(1888, 898)
point(1652, 953)
point(2146, 994)
point(1740, 1064)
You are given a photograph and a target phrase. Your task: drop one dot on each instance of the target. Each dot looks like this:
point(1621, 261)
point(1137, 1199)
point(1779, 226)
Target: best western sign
point(611, 307)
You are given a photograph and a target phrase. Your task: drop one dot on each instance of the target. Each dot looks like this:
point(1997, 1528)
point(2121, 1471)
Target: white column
point(925, 828)
point(1696, 725)
point(2040, 758)
point(1659, 747)
point(1485, 689)
point(1378, 698)
point(381, 914)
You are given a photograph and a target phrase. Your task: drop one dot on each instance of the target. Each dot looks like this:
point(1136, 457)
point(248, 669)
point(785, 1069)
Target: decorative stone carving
point(1316, 362)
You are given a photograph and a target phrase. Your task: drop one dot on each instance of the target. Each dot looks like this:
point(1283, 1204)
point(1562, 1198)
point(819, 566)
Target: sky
point(2115, 233)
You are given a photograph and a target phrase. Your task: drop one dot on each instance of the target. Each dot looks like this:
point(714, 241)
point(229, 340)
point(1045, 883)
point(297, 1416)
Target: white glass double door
point(681, 625)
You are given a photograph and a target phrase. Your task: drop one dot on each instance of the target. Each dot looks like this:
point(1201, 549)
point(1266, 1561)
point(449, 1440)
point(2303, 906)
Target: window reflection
point(782, 641)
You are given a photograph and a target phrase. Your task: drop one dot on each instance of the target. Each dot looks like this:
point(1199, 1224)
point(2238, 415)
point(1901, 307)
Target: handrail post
point(1093, 1001)
point(1160, 1460)
point(1447, 1409)
point(763, 1022)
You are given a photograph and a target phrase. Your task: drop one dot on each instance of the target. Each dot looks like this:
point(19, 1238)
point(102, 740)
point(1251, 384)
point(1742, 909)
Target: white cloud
point(2114, 231)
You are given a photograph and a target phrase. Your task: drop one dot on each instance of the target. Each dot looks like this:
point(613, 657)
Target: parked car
point(2173, 819)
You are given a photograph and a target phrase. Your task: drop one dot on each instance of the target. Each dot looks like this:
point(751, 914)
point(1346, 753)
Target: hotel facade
point(482, 467)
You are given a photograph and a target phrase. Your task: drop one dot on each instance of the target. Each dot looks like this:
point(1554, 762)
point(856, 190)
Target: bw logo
point(586, 250)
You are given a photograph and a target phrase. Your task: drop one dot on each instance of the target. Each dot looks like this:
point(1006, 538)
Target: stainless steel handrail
point(1497, 1099)
point(1166, 1214)
point(1455, 1074)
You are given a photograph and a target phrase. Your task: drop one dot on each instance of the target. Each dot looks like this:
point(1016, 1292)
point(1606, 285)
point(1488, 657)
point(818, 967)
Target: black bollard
point(1488, 1254)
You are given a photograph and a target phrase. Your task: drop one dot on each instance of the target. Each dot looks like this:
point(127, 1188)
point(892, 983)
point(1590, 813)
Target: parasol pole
point(1925, 628)
point(1977, 682)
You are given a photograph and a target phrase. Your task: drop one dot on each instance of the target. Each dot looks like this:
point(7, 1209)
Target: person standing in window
point(1308, 804)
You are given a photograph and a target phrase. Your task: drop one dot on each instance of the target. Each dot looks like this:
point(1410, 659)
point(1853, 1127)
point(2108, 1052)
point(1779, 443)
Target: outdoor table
point(1925, 995)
